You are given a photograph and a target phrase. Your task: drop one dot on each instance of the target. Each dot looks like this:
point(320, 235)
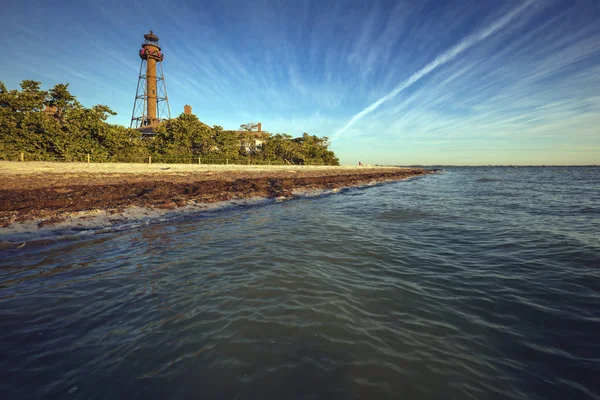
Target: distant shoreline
point(45, 193)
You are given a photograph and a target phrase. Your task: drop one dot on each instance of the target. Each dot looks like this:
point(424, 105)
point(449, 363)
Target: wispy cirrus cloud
point(439, 61)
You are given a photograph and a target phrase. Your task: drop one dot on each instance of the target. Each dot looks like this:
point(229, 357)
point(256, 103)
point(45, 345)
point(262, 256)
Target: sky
point(470, 82)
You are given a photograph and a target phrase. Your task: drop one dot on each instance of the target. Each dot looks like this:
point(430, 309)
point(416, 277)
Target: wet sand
point(47, 193)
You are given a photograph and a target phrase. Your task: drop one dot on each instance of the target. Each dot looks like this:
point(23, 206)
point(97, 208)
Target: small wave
point(403, 215)
point(486, 180)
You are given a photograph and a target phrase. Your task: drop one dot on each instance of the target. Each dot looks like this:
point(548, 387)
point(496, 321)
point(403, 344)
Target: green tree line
point(52, 125)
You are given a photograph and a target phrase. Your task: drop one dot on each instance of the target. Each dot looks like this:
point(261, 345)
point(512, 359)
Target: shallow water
point(476, 283)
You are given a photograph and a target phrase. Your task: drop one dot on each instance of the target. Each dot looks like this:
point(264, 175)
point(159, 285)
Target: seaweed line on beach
point(52, 198)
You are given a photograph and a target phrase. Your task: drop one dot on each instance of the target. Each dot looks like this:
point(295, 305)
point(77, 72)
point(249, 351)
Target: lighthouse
point(151, 105)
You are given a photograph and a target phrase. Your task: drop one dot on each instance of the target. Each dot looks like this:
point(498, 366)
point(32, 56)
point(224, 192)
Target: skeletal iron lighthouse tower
point(151, 104)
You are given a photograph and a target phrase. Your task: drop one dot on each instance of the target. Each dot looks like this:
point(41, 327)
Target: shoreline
point(36, 195)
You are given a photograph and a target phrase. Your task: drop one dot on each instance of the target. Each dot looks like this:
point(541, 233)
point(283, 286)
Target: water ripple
point(477, 283)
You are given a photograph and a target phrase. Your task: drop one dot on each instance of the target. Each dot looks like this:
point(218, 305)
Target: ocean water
point(478, 283)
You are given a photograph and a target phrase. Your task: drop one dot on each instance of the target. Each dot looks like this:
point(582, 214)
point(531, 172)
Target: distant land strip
point(52, 192)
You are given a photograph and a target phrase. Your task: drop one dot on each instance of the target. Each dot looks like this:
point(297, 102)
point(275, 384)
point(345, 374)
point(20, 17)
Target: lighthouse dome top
point(151, 37)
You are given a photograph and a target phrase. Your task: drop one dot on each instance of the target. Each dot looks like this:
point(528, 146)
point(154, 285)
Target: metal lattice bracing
point(151, 105)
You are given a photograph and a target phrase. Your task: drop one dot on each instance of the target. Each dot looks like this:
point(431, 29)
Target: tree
point(72, 131)
point(5, 100)
point(306, 149)
point(8, 100)
point(250, 126)
point(184, 136)
point(61, 98)
point(228, 143)
point(280, 147)
point(26, 127)
point(31, 97)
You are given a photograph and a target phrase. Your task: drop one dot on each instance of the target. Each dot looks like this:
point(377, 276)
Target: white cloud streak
point(439, 61)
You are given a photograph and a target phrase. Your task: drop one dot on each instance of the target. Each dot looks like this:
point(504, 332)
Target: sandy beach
point(46, 193)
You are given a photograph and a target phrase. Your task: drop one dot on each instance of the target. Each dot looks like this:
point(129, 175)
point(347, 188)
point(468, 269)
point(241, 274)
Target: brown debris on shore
point(50, 194)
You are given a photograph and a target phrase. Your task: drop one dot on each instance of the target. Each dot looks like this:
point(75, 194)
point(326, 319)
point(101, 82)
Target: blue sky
point(390, 82)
